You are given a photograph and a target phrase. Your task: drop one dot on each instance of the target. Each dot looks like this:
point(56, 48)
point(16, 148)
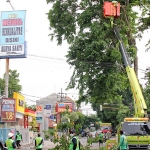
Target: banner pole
point(6, 83)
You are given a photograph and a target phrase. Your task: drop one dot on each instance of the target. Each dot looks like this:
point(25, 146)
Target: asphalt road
point(48, 144)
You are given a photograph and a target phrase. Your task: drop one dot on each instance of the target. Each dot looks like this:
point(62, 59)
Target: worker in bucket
point(10, 144)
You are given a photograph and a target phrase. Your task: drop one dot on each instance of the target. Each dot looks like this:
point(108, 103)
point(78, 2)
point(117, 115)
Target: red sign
point(61, 107)
point(8, 111)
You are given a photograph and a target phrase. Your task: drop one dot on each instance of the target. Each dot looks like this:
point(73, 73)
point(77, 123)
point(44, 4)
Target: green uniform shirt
point(123, 143)
point(18, 137)
point(101, 136)
point(9, 144)
point(38, 141)
point(71, 144)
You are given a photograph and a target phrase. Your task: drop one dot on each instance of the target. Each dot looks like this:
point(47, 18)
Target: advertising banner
point(47, 112)
point(61, 107)
point(51, 117)
point(39, 119)
point(47, 106)
point(8, 113)
point(12, 34)
point(39, 111)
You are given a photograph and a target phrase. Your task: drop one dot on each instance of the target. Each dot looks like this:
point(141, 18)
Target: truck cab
point(137, 132)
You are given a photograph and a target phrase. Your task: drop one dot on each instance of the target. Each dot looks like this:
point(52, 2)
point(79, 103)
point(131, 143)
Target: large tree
point(99, 72)
point(147, 89)
point(14, 85)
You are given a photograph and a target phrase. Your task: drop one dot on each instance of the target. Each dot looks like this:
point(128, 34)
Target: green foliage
point(94, 50)
point(33, 124)
point(48, 133)
point(32, 107)
point(14, 85)
point(90, 119)
point(146, 90)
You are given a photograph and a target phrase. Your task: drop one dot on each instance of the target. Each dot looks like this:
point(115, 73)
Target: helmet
point(73, 131)
point(10, 134)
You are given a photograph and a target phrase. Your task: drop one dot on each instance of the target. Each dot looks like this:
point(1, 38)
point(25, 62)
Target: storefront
point(20, 102)
point(28, 116)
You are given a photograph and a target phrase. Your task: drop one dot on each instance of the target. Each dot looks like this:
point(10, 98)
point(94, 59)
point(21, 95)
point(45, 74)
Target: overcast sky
point(41, 76)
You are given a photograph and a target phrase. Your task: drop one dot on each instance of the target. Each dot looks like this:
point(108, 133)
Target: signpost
point(8, 111)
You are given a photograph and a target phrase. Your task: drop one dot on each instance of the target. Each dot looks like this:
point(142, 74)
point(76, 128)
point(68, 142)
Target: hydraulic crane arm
point(139, 102)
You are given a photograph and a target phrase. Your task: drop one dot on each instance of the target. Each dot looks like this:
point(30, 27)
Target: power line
point(31, 95)
point(46, 57)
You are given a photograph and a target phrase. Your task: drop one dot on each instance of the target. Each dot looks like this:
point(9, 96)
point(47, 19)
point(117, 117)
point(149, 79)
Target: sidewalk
point(47, 144)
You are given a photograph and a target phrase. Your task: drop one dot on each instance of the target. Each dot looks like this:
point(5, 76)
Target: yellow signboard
point(20, 102)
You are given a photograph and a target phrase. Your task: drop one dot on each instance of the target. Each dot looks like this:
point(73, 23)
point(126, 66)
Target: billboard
point(61, 107)
point(12, 34)
point(8, 110)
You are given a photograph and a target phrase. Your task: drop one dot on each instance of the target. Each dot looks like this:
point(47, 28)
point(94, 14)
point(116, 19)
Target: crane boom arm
point(139, 102)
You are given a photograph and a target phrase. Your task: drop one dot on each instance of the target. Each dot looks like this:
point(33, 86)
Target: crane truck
point(136, 129)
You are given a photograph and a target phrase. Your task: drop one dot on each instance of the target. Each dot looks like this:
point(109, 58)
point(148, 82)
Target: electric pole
point(61, 95)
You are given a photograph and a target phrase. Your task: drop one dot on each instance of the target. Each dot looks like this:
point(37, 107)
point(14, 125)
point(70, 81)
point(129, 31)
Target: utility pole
point(7, 72)
point(61, 95)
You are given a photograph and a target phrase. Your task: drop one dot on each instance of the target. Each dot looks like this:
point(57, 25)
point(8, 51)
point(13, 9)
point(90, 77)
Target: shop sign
point(8, 113)
point(39, 119)
point(47, 106)
point(47, 112)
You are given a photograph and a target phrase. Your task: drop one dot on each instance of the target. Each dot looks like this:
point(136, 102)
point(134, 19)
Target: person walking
point(10, 144)
point(18, 139)
point(101, 136)
point(108, 135)
point(74, 142)
point(38, 142)
point(123, 142)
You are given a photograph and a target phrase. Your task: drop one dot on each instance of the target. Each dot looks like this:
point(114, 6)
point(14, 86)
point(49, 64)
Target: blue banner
point(12, 33)
point(48, 107)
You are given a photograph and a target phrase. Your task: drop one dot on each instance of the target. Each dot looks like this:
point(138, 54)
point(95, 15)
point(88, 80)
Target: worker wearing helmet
point(18, 139)
point(38, 142)
point(74, 142)
point(10, 144)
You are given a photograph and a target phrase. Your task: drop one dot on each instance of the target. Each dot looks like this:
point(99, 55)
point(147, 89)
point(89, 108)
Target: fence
point(4, 133)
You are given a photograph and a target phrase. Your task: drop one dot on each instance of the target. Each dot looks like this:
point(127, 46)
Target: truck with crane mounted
point(136, 129)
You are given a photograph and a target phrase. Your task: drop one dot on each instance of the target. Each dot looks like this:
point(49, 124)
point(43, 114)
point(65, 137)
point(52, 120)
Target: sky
point(46, 71)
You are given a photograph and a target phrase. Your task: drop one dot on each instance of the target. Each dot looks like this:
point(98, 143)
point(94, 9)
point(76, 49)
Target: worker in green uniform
point(101, 136)
point(123, 142)
point(38, 142)
point(18, 139)
point(10, 144)
point(74, 142)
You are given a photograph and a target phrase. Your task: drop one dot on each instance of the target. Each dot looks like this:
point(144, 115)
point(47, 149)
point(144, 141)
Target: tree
point(14, 85)
point(146, 90)
point(32, 107)
point(99, 72)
